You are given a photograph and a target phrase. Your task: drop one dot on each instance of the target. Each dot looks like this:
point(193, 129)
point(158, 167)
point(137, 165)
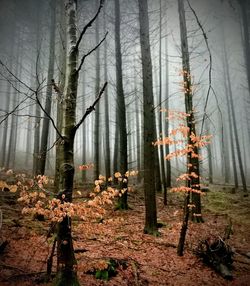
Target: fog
point(216, 39)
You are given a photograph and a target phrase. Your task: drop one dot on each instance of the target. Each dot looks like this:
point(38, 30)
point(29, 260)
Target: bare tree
point(148, 121)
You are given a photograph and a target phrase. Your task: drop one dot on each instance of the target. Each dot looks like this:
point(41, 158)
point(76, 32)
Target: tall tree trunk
point(162, 162)
point(123, 166)
point(97, 141)
point(46, 121)
point(84, 129)
point(107, 131)
point(66, 274)
point(225, 149)
point(196, 200)
point(138, 129)
point(192, 162)
point(11, 152)
point(168, 163)
point(149, 122)
point(62, 70)
point(37, 108)
point(5, 126)
point(209, 155)
point(245, 24)
point(234, 126)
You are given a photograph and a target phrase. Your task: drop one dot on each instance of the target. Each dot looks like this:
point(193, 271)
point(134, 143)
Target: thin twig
point(89, 24)
point(18, 79)
point(49, 117)
point(92, 107)
point(210, 63)
point(91, 51)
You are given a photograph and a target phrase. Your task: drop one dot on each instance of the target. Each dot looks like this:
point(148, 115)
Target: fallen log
point(216, 253)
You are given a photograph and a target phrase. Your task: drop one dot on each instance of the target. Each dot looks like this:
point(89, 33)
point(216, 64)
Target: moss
point(222, 201)
point(64, 278)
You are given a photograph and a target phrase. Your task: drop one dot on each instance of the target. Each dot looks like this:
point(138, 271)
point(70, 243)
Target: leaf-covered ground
point(140, 259)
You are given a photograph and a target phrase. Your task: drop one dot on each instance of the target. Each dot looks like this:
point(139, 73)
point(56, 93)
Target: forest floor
point(140, 259)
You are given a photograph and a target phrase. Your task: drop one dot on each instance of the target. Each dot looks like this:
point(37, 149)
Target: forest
point(124, 131)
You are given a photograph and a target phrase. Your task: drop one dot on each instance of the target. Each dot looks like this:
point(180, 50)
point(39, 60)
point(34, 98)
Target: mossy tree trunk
point(66, 262)
point(66, 272)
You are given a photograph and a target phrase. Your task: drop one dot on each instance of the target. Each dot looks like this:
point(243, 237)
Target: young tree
point(192, 161)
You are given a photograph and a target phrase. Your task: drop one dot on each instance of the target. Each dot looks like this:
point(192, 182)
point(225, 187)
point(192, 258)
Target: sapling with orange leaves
point(188, 145)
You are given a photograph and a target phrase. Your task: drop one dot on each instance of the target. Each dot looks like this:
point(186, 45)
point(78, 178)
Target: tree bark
point(46, 121)
point(149, 122)
point(194, 161)
point(66, 274)
point(97, 112)
point(233, 121)
point(107, 131)
point(123, 148)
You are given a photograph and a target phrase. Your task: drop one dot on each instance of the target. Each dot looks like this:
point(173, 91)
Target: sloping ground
point(141, 259)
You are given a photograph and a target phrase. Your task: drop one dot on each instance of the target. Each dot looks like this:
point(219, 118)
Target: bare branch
point(89, 24)
point(10, 72)
point(49, 117)
point(92, 107)
point(210, 63)
point(90, 52)
point(13, 110)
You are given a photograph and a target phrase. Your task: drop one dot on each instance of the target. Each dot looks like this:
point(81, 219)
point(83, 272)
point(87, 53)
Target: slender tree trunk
point(232, 113)
point(84, 129)
point(62, 70)
point(107, 131)
point(162, 162)
point(168, 163)
point(189, 110)
point(66, 274)
point(209, 154)
point(37, 108)
point(246, 33)
point(123, 166)
point(138, 130)
point(5, 127)
point(11, 152)
point(46, 121)
point(236, 184)
point(97, 112)
point(149, 122)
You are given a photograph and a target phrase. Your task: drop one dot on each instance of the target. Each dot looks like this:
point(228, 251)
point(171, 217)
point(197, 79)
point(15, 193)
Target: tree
point(50, 75)
point(107, 129)
point(97, 113)
point(193, 162)
point(231, 111)
point(163, 175)
point(66, 274)
point(121, 109)
point(148, 121)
